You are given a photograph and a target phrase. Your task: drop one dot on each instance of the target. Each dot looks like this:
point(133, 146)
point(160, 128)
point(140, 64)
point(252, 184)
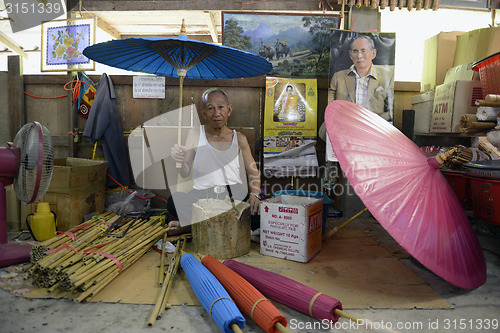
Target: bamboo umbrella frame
point(84, 260)
point(456, 155)
point(171, 273)
point(162, 296)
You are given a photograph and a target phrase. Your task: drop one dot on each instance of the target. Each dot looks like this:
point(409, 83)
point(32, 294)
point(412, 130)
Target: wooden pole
point(161, 271)
point(182, 73)
point(162, 296)
point(332, 232)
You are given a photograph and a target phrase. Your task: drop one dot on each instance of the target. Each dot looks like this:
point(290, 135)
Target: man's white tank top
point(213, 167)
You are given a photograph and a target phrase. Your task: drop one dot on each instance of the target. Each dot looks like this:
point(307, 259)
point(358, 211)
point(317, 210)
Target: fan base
point(14, 253)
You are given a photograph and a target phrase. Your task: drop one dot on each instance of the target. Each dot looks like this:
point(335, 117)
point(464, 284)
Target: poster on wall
point(362, 72)
point(290, 123)
point(63, 42)
point(296, 44)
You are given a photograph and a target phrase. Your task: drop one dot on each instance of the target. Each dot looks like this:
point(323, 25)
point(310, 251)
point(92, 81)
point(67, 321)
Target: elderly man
point(212, 157)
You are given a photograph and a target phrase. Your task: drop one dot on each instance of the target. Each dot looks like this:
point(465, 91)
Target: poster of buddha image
point(290, 113)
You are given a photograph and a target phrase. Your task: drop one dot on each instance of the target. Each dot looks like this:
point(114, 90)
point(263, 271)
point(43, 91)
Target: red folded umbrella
point(406, 192)
point(248, 299)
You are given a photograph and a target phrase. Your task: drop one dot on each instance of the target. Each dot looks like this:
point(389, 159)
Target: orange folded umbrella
point(249, 300)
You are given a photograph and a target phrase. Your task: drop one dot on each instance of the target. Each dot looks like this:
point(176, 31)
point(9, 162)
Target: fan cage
point(27, 141)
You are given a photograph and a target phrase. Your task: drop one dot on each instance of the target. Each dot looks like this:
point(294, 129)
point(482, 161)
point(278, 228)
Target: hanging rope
point(75, 91)
point(126, 189)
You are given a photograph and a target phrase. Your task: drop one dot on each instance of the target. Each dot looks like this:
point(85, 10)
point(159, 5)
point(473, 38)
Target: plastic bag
point(123, 202)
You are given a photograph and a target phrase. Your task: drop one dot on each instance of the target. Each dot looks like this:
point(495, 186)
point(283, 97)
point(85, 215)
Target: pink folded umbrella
point(406, 192)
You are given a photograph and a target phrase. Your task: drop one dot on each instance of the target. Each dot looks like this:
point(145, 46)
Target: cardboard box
point(422, 104)
point(77, 187)
point(290, 227)
point(461, 73)
point(451, 101)
point(476, 45)
point(77, 173)
point(439, 51)
point(12, 204)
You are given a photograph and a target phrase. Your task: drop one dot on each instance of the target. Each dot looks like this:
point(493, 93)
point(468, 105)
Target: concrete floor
point(470, 308)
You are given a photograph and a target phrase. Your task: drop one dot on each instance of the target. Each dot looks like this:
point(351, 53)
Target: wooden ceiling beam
point(103, 25)
point(212, 26)
point(12, 45)
point(129, 5)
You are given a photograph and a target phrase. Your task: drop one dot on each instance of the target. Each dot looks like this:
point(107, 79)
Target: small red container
point(460, 185)
point(485, 193)
point(489, 74)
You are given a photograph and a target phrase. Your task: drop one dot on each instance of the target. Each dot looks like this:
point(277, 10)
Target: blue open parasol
point(178, 57)
point(212, 295)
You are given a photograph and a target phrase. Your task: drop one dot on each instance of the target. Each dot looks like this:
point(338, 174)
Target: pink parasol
point(407, 194)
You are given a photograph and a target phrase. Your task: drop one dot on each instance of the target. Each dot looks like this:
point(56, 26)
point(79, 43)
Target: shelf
point(446, 139)
point(459, 135)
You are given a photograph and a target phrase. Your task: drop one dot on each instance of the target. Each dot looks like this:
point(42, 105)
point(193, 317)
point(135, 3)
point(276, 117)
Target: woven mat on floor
point(351, 267)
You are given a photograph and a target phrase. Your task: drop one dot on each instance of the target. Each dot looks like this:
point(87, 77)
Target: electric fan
point(27, 163)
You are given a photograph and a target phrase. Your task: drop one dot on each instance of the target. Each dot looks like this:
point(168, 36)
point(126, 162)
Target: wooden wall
point(246, 96)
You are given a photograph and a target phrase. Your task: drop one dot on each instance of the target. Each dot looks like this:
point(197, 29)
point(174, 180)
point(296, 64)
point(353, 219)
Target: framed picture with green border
point(297, 45)
point(63, 42)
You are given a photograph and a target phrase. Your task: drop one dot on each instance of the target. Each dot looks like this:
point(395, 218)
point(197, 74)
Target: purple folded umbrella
point(289, 292)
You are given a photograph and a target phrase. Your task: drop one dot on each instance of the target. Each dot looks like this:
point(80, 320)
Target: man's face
point(217, 111)
point(361, 54)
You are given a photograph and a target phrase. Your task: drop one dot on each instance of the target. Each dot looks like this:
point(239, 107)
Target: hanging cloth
point(104, 124)
point(86, 95)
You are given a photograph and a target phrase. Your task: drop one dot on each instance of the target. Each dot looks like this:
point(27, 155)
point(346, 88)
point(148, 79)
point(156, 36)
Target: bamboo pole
point(70, 269)
point(162, 296)
point(279, 326)
point(158, 302)
point(235, 328)
point(110, 243)
point(96, 288)
point(100, 267)
point(161, 271)
point(173, 272)
point(333, 231)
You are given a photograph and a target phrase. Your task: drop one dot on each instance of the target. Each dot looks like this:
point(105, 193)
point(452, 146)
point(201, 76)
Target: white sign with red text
point(451, 101)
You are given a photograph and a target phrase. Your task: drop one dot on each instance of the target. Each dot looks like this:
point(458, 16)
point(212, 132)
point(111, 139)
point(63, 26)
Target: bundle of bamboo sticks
point(470, 123)
point(84, 260)
point(461, 155)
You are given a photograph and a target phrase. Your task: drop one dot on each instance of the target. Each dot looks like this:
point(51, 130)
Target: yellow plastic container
point(42, 224)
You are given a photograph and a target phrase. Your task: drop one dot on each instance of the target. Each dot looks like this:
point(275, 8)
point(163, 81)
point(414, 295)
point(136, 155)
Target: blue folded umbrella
point(212, 295)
